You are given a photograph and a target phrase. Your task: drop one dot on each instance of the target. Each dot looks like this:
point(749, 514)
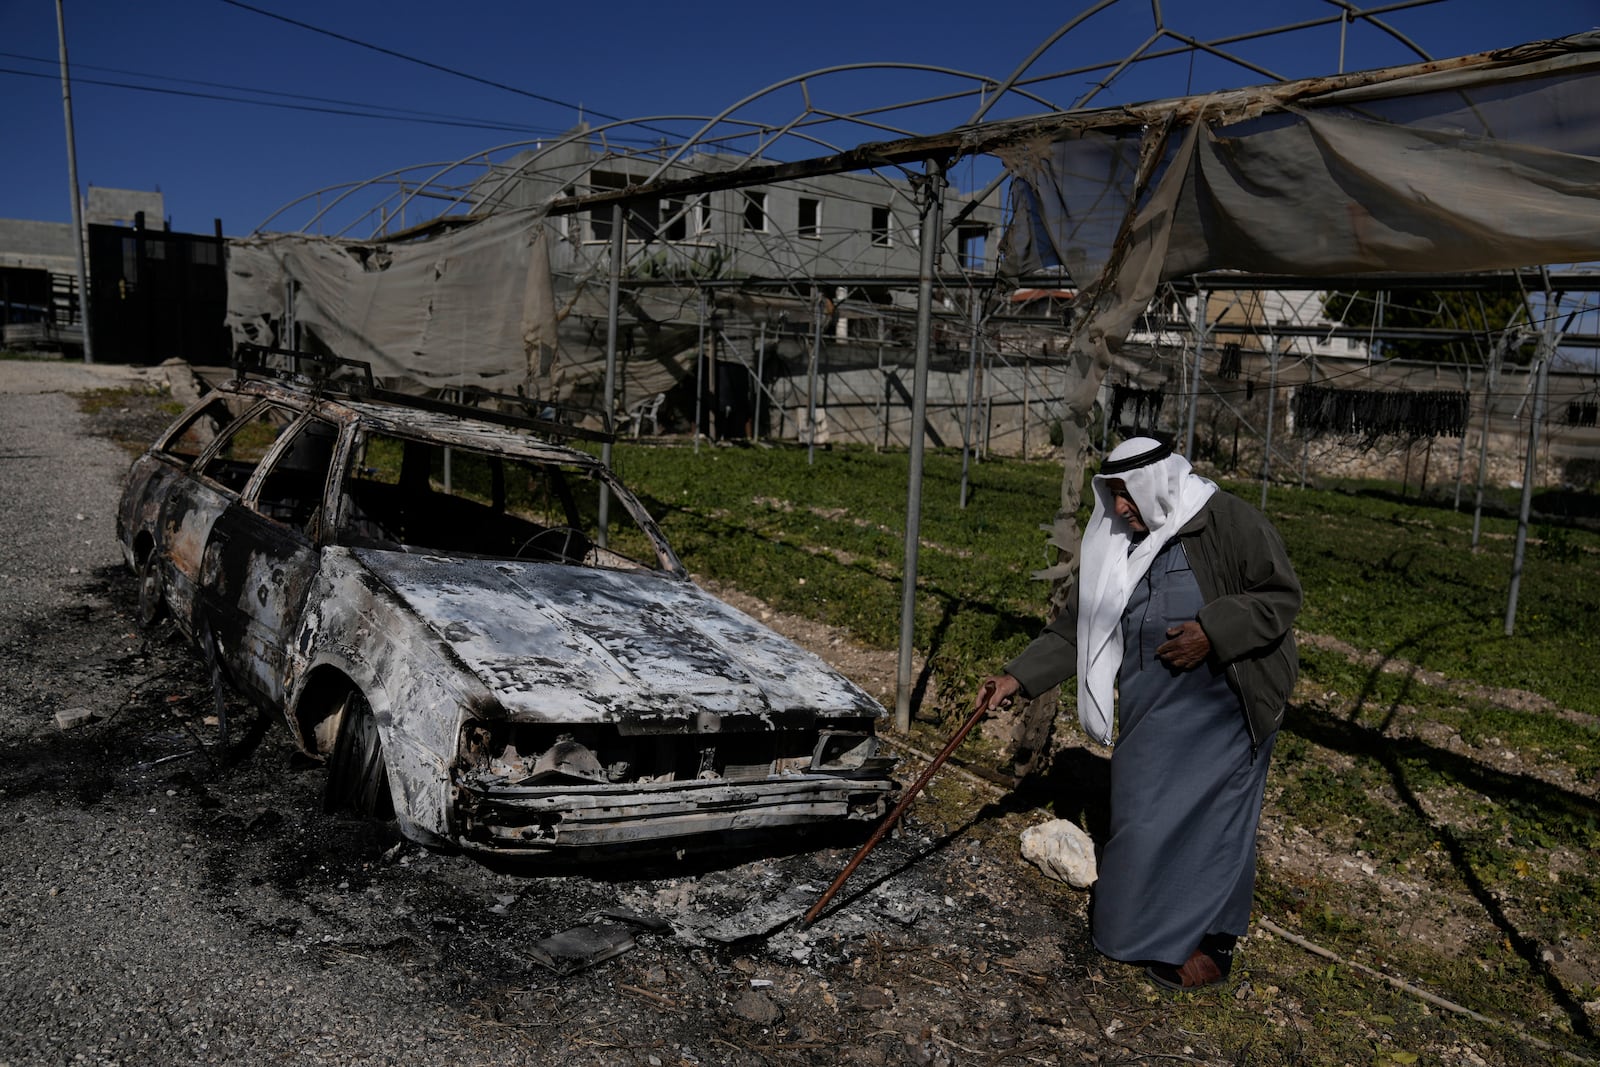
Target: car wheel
point(358, 779)
point(152, 590)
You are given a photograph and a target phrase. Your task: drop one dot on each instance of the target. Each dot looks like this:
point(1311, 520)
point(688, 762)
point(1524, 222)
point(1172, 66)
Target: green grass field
point(1432, 796)
point(1396, 577)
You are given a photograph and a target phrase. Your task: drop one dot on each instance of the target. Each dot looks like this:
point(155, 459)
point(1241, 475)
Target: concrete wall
point(37, 245)
point(717, 236)
point(117, 207)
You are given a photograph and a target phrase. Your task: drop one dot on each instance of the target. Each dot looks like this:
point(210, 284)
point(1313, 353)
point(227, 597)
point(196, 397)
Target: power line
point(413, 59)
point(245, 89)
point(460, 123)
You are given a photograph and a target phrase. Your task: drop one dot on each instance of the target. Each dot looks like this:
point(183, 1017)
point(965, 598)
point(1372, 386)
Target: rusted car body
point(481, 631)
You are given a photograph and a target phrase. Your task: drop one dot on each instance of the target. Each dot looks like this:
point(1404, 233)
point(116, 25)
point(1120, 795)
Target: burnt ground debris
point(169, 899)
point(172, 899)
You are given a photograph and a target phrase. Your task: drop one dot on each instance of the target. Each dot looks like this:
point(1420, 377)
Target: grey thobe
point(1186, 789)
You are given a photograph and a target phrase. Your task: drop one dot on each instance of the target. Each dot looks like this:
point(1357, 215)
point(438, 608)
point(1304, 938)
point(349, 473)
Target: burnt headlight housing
point(845, 752)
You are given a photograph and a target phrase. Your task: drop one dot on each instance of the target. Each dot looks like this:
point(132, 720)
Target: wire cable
point(413, 59)
point(460, 124)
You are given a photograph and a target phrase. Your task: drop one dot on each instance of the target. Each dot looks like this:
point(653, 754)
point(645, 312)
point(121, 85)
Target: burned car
point(480, 630)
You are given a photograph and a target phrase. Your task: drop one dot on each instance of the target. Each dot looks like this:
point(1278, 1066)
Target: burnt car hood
point(558, 643)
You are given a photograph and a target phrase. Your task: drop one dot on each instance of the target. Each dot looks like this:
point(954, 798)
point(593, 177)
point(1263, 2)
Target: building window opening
point(809, 220)
point(675, 219)
point(600, 215)
point(971, 244)
point(755, 211)
point(881, 221)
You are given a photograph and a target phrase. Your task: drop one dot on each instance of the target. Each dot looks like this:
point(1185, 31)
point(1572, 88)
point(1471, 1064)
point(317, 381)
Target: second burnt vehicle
point(481, 631)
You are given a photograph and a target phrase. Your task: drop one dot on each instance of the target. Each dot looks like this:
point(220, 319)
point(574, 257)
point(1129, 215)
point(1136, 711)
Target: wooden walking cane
point(883, 827)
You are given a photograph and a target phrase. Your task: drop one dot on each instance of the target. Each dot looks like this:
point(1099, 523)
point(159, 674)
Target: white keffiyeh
point(1168, 494)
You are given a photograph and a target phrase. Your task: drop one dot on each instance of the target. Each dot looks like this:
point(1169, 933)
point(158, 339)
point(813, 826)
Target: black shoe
point(1197, 971)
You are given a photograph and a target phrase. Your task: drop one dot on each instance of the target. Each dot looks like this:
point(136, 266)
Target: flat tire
point(358, 778)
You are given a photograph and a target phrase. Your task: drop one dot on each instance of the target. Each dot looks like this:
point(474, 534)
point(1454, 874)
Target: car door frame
point(258, 570)
point(189, 510)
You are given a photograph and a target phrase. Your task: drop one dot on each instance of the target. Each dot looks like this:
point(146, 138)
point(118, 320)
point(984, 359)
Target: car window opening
point(424, 497)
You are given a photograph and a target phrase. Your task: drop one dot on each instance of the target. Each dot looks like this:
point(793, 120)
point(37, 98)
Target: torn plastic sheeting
point(488, 282)
point(1492, 168)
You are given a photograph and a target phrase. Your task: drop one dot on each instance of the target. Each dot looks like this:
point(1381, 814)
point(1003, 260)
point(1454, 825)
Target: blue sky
point(221, 156)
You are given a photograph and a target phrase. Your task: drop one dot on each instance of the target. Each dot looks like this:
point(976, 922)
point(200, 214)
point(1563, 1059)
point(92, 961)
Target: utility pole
point(72, 177)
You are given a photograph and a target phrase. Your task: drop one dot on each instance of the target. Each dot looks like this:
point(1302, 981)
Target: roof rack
point(310, 370)
point(335, 376)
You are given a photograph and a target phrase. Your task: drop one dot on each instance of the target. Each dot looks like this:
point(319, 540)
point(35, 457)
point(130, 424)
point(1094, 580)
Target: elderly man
point(1184, 605)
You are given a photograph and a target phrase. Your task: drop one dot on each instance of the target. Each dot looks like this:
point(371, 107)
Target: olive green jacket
point(1251, 598)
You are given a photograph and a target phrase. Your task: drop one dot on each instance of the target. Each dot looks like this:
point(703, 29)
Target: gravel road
point(166, 898)
point(125, 938)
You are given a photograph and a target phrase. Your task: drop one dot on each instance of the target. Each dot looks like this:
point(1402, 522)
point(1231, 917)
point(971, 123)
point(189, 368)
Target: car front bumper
point(542, 819)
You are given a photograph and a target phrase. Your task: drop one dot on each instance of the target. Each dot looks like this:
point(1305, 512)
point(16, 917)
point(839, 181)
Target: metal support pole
point(1305, 436)
point(72, 178)
point(811, 378)
point(608, 404)
point(1026, 375)
point(932, 226)
point(1483, 436)
point(1531, 466)
point(761, 369)
point(883, 402)
point(291, 328)
point(1272, 398)
point(1198, 325)
point(972, 383)
point(700, 372)
point(1461, 447)
point(1105, 419)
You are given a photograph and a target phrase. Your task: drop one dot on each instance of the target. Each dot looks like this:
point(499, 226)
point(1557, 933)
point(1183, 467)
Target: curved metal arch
point(544, 145)
point(1033, 57)
point(352, 187)
point(575, 135)
point(1347, 11)
point(698, 138)
point(990, 90)
point(444, 169)
point(799, 78)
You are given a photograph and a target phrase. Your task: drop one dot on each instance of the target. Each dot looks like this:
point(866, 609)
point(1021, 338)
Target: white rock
point(72, 718)
point(1061, 850)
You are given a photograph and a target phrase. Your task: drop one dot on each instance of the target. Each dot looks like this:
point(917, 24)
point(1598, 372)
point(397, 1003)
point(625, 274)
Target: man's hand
point(996, 691)
point(1186, 648)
